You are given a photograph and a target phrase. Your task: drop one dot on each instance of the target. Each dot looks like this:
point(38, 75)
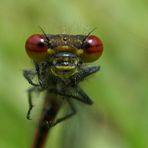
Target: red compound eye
point(36, 47)
point(93, 48)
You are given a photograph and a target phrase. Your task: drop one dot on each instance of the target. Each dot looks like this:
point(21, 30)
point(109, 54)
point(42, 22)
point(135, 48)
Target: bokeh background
point(119, 116)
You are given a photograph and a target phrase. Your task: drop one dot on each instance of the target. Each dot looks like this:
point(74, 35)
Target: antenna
point(44, 33)
point(91, 32)
point(83, 42)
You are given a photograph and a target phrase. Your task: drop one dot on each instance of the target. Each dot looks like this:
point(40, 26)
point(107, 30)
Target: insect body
point(60, 64)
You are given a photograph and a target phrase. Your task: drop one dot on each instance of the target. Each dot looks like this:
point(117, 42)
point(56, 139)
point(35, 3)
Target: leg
point(83, 97)
point(33, 89)
point(29, 75)
point(74, 93)
point(73, 112)
point(41, 71)
point(82, 74)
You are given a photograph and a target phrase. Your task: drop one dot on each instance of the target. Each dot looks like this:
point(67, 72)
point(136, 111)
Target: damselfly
point(61, 61)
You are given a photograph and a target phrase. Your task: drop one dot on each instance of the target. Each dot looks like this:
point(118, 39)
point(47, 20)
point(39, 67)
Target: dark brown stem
point(50, 109)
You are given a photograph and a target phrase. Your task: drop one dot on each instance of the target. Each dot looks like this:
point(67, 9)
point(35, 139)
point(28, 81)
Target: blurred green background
point(119, 116)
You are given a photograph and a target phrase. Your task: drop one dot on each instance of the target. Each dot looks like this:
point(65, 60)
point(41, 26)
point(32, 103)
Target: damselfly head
point(64, 51)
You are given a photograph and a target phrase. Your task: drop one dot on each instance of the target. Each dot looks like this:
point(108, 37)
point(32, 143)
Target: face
point(64, 52)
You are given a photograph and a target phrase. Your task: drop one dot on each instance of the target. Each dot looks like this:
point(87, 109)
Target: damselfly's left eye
point(36, 47)
point(93, 48)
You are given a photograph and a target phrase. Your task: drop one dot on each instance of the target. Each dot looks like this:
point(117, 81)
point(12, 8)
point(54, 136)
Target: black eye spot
point(86, 45)
point(41, 44)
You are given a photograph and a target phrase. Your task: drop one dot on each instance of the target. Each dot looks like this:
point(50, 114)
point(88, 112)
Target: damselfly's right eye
point(93, 48)
point(36, 47)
